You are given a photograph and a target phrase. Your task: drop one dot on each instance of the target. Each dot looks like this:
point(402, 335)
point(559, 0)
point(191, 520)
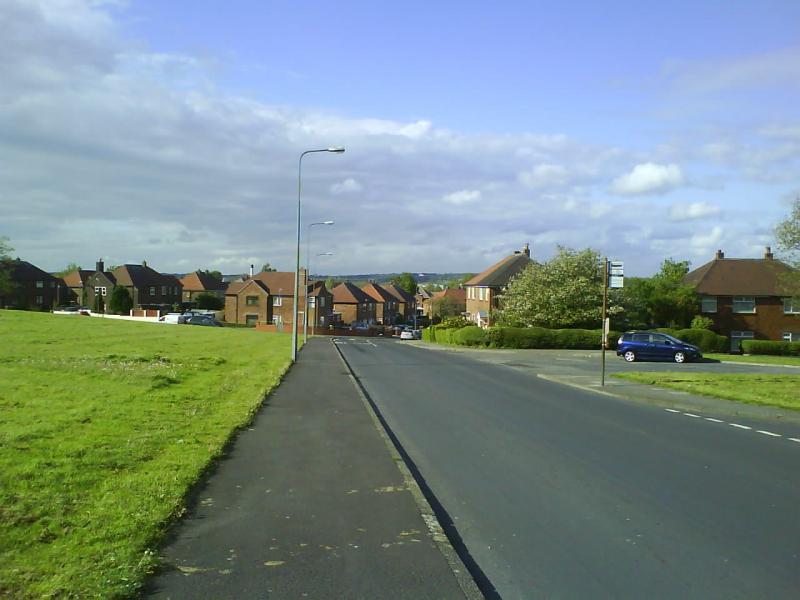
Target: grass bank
point(761, 359)
point(104, 426)
point(782, 391)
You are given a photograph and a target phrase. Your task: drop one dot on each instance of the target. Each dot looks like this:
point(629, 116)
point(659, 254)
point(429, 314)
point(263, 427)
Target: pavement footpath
point(310, 502)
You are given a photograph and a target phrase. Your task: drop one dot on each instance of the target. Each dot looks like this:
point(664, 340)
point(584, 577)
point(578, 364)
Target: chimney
point(526, 250)
point(768, 253)
point(251, 270)
point(99, 266)
point(720, 255)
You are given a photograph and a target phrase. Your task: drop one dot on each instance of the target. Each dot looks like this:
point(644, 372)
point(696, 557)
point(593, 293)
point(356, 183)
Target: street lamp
point(316, 303)
point(308, 274)
point(336, 150)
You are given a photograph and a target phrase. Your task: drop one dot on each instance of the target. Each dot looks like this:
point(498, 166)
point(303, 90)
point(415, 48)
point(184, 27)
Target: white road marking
point(769, 433)
point(713, 420)
point(795, 440)
point(691, 415)
point(739, 426)
point(672, 410)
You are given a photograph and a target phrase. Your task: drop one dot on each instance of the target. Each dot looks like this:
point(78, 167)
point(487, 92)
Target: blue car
point(647, 345)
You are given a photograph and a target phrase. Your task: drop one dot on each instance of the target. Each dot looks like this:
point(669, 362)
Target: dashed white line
point(795, 440)
point(693, 416)
point(739, 426)
point(713, 420)
point(672, 410)
point(768, 433)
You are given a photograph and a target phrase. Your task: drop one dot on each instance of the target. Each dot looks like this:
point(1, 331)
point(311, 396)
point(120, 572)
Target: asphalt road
point(563, 493)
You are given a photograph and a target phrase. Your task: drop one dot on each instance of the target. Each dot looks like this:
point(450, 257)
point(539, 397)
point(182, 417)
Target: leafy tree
point(458, 282)
point(120, 302)
point(659, 301)
point(215, 274)
point(406, 282)
point(701, 322)
point(788, 233)
point(444, 307)
point(6, 285)
point(330, 284)
point(566, 291)
point(209, 302)
point(267, 268)
point(68, 269)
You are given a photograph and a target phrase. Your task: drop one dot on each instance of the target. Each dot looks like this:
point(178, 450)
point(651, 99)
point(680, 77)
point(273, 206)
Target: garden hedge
point(772, 348)
point(520, 337)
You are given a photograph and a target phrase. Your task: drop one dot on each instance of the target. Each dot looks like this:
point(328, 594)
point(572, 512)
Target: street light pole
point(337, 150)
point(308, 274)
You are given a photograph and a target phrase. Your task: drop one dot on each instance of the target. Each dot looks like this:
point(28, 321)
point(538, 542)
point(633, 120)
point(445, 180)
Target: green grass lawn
point(757, 358)
point(752, 388)
point(104, 426)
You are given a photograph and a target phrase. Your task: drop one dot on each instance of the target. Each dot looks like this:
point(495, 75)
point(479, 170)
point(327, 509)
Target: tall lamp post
point(308, 274)
point(336, 150)
point(316, 303)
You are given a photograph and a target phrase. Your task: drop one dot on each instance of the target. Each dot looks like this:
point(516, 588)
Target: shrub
point(207, 301)
point(701, 322)
point(121, 301)
point(706, 340)
point(771, 347)
point(470, 336)
point(455, 323)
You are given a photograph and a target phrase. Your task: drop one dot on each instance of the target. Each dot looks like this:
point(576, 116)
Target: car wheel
point(680, 357)
point(629, 355)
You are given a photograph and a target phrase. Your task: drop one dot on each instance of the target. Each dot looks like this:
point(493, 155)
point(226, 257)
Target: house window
point(744, 304)
point(737, 337)
point(708, 304)
point(40, 284)
point(163, 290)
point(791, 306)
point(96, 290)
point(322, 301)
point(276, 320)
point(250, 320)
point(52, 284)
point(277, 301)
point(152, 290)
point(39, 300)
point(103, 291)
point(790, 336)
point(251, 301)
point(312, 301)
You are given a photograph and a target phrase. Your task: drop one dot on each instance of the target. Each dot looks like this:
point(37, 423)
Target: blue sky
point(170, 130)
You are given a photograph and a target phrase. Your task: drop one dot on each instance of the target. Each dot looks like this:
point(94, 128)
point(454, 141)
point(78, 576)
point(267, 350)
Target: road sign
point(615, 267)
point(615, 281)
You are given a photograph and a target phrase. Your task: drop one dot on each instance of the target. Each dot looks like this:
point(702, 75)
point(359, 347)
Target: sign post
point(612, 277)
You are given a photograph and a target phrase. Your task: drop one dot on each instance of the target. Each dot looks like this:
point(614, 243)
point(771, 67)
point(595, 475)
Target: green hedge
point(772, 348)
point(520, 337)
point(706, 340)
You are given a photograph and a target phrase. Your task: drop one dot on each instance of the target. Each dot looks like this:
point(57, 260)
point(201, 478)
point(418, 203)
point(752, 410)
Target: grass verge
point(751, 388)
point(761, 359)
point(104, 426)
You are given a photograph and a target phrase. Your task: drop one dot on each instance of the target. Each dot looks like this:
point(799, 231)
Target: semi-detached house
point(749, 298)
point(484, 290)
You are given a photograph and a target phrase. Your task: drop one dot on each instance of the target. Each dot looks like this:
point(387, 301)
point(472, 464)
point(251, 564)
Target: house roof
point(22, 270)
point(200, 281)
point(378, 293)
point(348, 293)
point(399, 293)
point(500, 273)
point(317, 288)
point(142, 276)
point(77, 278)
point(742, 277)
point(457, 294)
point(237, 286)
point(280, 283)
point(423, 293)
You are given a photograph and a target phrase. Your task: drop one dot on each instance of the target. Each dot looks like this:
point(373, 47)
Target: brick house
point(200, 282)
point(147, 287)
point(386, 305)
point(33, 288)
point(406, 303)
point(452, 301)
point(749, 298)
point(268, 297)
point(352, 306)
point(75, 282)
point(423, 299)
point(484, 290)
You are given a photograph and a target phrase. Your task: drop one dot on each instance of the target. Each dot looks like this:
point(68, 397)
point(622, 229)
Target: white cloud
point(648, 178)
point(462, 197)
point(545, 176)
point(349, 185)
point(693, 211)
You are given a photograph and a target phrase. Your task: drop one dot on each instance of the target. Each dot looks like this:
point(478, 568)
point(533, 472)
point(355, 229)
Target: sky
point(170, 131)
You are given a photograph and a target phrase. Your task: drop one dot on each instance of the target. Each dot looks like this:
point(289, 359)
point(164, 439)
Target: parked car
point(409, 333)
point(67, 310)
point(173, 318)
point(203, 320)
point(649, 345)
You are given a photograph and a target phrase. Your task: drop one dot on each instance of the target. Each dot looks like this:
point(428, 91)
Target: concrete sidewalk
point(309, 503)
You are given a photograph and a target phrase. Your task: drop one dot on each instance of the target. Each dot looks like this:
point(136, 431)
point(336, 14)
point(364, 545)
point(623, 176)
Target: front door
point(250, 320)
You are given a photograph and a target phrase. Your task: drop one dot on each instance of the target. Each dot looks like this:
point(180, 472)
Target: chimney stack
point(768, 253)
point(251, 270)
point(526, 250)
point(99, 266)
point(720, 255)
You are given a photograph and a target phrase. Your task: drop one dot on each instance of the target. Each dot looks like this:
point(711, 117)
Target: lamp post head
point(327, 222)
point(325, 254)
point(336, 149)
